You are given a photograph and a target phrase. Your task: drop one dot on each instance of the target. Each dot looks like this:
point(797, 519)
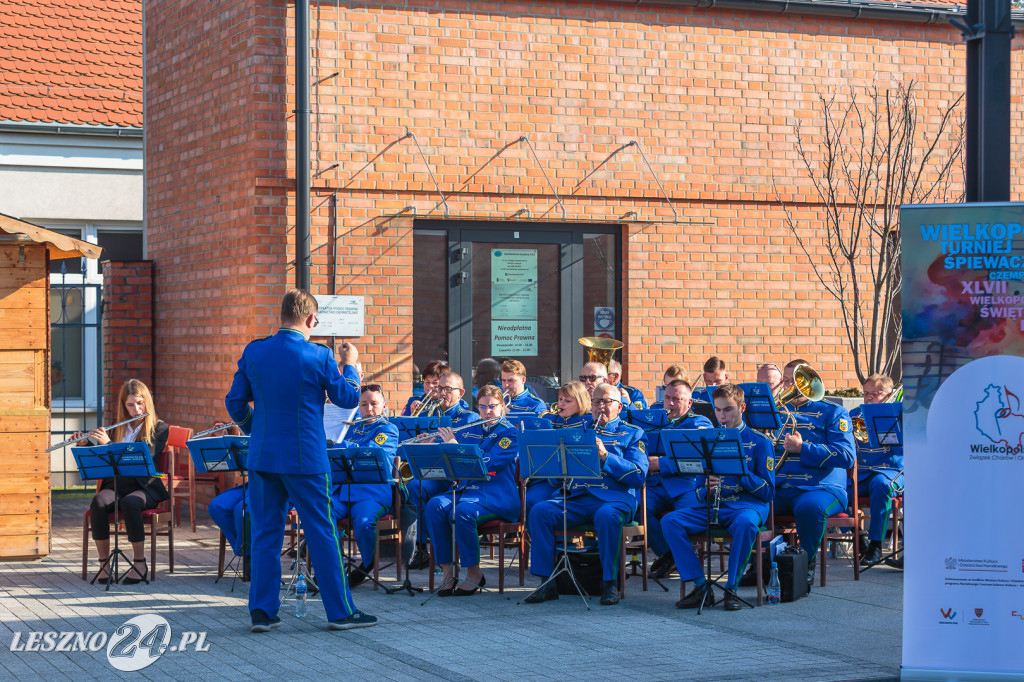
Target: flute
point(105, 428)
point(434, 434)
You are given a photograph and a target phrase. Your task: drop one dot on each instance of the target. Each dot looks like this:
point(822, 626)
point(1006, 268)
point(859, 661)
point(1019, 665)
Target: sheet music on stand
point(761, 412)
point(652, 421)
point(351, 464)
point(410, 427)
point(220, 453)
point(884, 423)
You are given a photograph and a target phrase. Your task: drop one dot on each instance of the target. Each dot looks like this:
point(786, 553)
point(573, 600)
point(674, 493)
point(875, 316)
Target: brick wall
point(713, 97)
point(127, 331)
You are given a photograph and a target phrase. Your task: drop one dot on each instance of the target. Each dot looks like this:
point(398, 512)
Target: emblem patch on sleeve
point(381, 438)
point(504, 443)
point(770, 463)
point(844, 425)
point(643, 447)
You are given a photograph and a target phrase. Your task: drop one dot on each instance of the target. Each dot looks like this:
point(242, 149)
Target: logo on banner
point(1017, 614)
point(951, 563)
point(948, 616)
point(978, 620)
point(999, 418)
point(978, 612)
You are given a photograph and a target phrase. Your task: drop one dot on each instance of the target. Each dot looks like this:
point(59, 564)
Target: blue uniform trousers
point(741, 523)
point(364, 524)
point(879, 488)
point(226, 512)
point(607, 517)
point(539, 491)
point(420, 493)
point(439, 518)
point(269, 494)
point(810, 508)
point(659, 503)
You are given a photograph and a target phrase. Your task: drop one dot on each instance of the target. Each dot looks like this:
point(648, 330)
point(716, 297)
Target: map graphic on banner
point(963, 378)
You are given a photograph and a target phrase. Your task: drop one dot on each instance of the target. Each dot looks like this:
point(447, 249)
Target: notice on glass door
point(514, 301)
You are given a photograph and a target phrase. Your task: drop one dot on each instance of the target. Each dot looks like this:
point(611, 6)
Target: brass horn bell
point(599, 349)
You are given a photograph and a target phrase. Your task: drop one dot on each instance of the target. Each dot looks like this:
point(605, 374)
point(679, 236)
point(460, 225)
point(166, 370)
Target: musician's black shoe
point(663, 566)
point(261, 622)
point(546, 592)
point(609, 593)
point(873, 555)
point(356, 576)
point(732, 601)
point(420, 559)
point(810, 572)
point(692, 600)
point(896, 563)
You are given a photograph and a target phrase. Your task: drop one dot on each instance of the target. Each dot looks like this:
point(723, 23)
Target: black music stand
point(565, 455)
point(455, 462)
point(226, 453)
point(112, 461)
point(652, 421)
point(361, 465)
point(884, 424)
point(761, 412)
point(717, 452)
point(528, 422)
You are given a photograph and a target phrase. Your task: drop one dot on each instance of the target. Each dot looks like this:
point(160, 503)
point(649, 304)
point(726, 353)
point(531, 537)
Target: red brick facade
point(713, 97)
point(127, 330)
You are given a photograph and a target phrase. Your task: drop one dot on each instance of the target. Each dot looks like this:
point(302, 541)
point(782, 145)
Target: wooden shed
point(25, 253)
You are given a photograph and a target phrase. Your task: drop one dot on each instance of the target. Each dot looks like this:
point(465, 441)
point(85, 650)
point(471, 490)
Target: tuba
point(806, 384)
point(599, 349)
point(860, 427)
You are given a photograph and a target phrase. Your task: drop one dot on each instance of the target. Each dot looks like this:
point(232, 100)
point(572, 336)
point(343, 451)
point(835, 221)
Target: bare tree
point(873, 157)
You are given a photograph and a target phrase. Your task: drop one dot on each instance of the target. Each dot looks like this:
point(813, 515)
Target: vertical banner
point(514, 302)
point(963, 374)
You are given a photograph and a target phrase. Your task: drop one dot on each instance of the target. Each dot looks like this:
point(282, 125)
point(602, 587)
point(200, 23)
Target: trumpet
point(430, 435)
point(105, 428)
point(215, 429)
point(806, 384)
point(428, 405)
point(860, 427)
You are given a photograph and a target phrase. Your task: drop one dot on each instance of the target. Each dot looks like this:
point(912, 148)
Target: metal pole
point(302, 111)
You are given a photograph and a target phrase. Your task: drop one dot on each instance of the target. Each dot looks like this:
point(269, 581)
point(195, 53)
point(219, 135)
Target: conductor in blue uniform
point(743, 506)
point(608, 503)
point(671, 492)
point(365, 503)
point(810, 482)
point(286, 378)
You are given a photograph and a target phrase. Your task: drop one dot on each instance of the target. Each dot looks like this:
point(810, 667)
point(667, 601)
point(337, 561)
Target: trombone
point(105, 428)
point(428, 405)
point(860, 427)
point(806, 384)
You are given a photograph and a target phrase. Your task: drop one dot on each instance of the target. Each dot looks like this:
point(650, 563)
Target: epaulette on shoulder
point(260, 339)
point(317, 343)
point(758, 433)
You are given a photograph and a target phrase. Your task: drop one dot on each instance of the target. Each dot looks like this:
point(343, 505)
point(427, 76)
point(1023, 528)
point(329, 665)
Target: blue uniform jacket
point(757, 488)
point(577, 421)
point(286, 377)
point(636, 397)
point(499, 443)
point(679, 484)
point(526, 403)
point(407, 410)
point(625, 467)
point(873, 459)
point(827, 451)
point(376, 434)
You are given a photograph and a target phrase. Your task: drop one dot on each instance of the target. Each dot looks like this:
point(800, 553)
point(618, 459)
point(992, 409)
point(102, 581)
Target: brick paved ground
point(848, 630)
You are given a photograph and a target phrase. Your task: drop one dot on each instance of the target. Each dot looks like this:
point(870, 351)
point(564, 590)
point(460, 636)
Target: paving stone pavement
point(849, 630)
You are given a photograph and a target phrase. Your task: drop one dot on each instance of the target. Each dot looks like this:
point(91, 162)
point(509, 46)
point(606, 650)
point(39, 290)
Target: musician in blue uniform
point(285, 377)
point(877, 470)
point(636, 398)
point(743, 506)
point(810, 480)
point(714, 374)
point(449, 391)
point(476, 501)
point(672, 372)
point(573, 413)
point(522, 401)
point(432, 374)
point(364, 503)
point(608, 505)
point(667, 493)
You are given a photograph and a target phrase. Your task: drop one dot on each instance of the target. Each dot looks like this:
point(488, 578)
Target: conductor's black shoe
point(356, 620)
point(356, 576)
point(420, 559)
point(895, 562)
point(261, 622)
point(873, 555)
point(692, 600)
point(546, 592)
point(663, 566)
point(732, 601)
point(609, 593)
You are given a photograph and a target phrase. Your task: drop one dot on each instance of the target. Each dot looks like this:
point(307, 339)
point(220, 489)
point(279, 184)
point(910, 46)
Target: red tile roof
point(71, 62)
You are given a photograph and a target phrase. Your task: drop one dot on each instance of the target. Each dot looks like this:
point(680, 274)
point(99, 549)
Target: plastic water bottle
point(774, 586)
point(300, 597)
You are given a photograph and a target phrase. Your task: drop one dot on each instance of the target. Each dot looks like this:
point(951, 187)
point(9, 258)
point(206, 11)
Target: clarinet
point(716, 503)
